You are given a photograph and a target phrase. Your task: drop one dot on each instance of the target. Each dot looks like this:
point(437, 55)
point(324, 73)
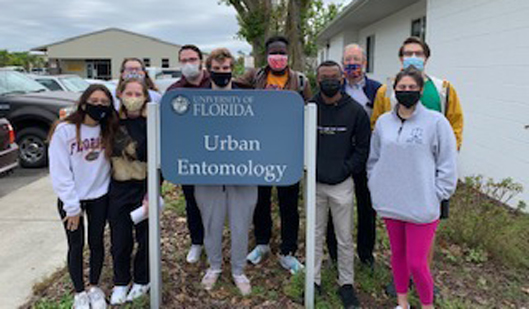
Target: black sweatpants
point(96, 213)
point(125, 197)
point(288, 209)
point(366, 226)
point(194, 219)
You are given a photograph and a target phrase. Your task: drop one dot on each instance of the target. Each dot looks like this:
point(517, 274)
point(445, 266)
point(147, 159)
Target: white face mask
point(191, 71)
point(133, 104)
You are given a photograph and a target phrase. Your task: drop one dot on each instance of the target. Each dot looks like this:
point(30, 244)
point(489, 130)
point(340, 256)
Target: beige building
point(98, 55)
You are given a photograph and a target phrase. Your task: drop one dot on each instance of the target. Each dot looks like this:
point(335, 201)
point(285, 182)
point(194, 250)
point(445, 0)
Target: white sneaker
point(138, 290)
point(119, 295)
point(97, 298)
point(210, 278)
point(243, 284)
point(194, 254)
point(290, 263)
point(81, 301)
point(399, 307)
point(258, 254)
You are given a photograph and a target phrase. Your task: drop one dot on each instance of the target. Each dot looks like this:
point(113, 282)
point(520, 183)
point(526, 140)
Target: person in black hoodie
point(343, 146)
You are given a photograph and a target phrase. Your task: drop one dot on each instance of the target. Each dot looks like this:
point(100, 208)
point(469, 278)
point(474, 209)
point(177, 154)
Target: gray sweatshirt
point(412, 165)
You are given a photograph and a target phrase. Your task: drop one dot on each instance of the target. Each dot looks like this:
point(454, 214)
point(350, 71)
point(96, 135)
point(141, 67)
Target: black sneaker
point(390, 290)
point(348, 297)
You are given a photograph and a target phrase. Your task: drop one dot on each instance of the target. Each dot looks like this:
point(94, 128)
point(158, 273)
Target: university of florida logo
point(415, 136)
point(180, 105)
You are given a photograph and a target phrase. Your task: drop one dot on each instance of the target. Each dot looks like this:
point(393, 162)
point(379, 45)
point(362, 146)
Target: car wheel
point(32, 147)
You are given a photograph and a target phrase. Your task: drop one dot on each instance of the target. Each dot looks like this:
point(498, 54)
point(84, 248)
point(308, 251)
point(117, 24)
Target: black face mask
point(408, 98)
point(330, 87)
point(99, 113)
point(221, 79)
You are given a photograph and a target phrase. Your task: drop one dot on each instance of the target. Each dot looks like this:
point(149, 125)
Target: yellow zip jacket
point(451, 107)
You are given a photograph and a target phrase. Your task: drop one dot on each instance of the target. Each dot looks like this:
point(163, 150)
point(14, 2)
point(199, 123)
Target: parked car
point(14, 68)
point(8, 148)
point(65, 82)
point(39, 71)
point(32, 109)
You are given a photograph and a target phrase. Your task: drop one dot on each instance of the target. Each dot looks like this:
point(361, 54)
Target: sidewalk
point(32, 241)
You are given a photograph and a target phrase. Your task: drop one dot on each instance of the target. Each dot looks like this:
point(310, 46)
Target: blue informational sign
point(232, 137)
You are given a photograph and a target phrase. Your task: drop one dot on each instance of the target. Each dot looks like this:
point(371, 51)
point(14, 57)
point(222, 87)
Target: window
point(370, 51)
point(50, 84)
point(418, 28)
point(147, 62)
point(165, 63)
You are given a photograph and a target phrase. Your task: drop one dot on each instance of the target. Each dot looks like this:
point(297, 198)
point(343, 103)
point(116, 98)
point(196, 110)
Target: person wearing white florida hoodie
point(79, 154)
point(411, 168)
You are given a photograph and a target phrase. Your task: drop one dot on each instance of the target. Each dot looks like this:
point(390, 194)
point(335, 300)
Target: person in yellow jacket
point(438, 94)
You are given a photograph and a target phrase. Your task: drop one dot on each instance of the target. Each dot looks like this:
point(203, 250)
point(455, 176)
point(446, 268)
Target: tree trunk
point(294, 34)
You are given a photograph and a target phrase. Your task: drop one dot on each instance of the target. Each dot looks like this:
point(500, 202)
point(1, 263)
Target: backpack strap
point(302, 81)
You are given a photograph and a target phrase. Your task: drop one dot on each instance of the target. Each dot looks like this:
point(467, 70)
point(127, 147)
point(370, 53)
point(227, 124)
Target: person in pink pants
point(411, 168)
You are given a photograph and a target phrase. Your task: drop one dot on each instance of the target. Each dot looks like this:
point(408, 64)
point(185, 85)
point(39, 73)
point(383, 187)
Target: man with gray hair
point(363, 90)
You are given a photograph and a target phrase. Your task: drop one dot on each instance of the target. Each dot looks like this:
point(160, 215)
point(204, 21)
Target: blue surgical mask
point(417, 62)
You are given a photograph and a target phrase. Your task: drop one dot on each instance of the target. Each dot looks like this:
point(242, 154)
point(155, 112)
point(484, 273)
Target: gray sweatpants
point(238, 202)
point(339, 199)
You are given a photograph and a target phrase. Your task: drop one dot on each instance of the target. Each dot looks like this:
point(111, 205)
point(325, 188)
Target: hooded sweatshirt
point(78, 171)
point(343, 139)
point(412, 165)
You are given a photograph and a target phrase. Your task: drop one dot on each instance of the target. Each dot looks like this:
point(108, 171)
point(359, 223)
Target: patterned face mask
point(133, 104)
point(353, 70)
point(277, 62)
point(135, 75)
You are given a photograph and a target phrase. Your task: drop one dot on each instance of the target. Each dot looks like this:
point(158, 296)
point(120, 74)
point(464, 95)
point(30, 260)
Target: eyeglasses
point(186, 60)
point(101, 102)
point(133, 69)
point(411, 53)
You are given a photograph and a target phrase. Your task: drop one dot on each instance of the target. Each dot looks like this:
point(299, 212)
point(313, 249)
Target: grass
point(485, 226)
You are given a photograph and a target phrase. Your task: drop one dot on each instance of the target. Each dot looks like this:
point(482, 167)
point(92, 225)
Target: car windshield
point(74, 83)
point(12, 82)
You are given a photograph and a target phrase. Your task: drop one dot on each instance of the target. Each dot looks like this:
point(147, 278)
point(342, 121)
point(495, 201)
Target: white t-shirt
point(78, 172)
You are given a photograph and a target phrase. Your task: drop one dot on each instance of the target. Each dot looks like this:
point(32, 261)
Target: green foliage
point(66, 302)
point(23, 59)
point(479, 221)
point(314, 19)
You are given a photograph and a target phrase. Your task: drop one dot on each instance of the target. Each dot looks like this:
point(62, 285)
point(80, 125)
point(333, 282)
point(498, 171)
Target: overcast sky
point(26, 24)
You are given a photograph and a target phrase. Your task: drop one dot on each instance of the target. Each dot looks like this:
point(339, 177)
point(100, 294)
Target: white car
point(65, 82)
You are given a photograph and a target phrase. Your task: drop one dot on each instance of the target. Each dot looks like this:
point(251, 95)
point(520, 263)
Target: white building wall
point(482, 47)
point(389, 34)
point(336, 47)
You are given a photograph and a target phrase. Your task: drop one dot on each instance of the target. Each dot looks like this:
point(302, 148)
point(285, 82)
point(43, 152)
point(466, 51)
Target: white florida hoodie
point(78, 171)
point(412, 165)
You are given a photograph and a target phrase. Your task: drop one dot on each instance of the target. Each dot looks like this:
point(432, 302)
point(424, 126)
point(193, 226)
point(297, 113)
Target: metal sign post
point(311, 111)
point(153, 182)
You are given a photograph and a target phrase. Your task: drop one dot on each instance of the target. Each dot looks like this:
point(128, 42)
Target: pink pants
point(410, 244)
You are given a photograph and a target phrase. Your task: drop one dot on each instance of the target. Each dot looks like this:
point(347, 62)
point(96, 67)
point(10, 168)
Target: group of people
point(392, 147)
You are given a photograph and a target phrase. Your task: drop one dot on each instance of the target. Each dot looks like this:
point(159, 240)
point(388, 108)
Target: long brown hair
point(148, 80)
point(145, 90)
point(108, 128)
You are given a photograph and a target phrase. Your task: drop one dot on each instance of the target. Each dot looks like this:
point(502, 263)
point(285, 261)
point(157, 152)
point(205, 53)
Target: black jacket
point(343, 139)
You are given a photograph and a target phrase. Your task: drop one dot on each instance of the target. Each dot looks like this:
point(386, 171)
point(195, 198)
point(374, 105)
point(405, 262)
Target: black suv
point(32, 110)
